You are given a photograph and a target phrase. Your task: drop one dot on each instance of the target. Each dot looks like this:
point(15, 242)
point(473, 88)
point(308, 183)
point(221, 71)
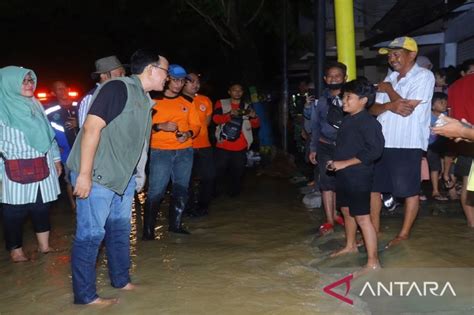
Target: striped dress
point(13, 145)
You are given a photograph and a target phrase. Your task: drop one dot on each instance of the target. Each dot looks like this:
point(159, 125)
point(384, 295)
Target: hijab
point(23, 113)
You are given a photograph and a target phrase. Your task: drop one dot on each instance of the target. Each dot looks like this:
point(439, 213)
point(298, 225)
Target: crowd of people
point(365, 141)
point(104, 148)
point(360, 161)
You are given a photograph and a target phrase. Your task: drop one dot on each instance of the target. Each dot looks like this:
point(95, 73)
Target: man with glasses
point(103, 162)
point(175, 123)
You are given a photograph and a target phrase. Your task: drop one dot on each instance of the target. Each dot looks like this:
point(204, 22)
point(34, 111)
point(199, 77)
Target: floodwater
point(257, 254)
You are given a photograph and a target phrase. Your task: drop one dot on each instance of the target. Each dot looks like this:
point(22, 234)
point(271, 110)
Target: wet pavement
point(257, 254)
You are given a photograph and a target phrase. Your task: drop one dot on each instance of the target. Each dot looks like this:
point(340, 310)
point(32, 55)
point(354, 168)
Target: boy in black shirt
point(359, 143)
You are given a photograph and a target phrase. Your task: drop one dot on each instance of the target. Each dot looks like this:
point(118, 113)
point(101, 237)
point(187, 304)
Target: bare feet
point(396, 241)
point(344, 251)
point(129, 287)
point(17, 255)
point(104, 302)
point(367, 269)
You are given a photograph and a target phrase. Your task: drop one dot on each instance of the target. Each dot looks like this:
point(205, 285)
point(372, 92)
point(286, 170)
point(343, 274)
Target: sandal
point(339, 220)
point(326, 228)
point(440, 198)
point(447, 184)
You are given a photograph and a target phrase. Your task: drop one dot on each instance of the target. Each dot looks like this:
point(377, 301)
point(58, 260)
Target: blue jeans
point(169, 164)
point(104, 215)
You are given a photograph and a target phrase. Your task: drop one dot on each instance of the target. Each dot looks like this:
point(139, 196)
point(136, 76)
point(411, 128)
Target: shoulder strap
point(226, 105)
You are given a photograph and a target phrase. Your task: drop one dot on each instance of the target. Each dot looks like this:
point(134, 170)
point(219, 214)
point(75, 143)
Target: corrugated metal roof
point(407, 16)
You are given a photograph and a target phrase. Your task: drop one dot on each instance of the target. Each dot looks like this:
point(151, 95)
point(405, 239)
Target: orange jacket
point(180, 111)
point(203, 106)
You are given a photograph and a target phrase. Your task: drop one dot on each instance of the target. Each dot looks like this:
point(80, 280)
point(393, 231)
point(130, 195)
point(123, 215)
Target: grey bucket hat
point(107, 64)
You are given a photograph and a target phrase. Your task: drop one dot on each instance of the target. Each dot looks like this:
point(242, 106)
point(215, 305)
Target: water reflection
point(253, 255)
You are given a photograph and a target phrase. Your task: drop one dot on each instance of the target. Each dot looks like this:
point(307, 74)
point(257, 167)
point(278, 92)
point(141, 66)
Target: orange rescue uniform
point(203, 106)
point(180, 111)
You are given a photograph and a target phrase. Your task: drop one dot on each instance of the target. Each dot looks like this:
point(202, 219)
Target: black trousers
point(204, 172)
point(14, 216)
point(230, 167)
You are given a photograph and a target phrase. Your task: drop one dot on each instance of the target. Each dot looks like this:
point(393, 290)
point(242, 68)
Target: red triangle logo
point(347, 281)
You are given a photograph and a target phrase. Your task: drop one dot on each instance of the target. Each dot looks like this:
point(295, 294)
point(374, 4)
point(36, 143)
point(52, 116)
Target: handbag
point(335, 112)
point(27, 171)
point(232, 129)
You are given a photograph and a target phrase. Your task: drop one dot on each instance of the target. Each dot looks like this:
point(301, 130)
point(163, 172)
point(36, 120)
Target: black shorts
point(327, 179)
point(462, 166)
point(353, 191)
point(434, 160)
point(398, 172)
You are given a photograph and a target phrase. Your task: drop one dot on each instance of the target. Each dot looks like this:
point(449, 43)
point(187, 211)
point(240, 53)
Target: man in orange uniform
point(175, 123)
point(235, 120)
point(203, 164)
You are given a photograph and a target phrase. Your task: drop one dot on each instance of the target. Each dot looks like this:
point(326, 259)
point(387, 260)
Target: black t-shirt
point(110, 101)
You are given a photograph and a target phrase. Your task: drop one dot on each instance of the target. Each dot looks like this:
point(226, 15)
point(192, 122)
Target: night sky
point(62, 39)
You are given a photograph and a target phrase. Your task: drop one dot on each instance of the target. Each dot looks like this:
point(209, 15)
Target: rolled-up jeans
point(104, 215)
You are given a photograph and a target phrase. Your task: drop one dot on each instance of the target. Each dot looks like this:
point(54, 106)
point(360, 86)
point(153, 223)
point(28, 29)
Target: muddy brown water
point(253, 255)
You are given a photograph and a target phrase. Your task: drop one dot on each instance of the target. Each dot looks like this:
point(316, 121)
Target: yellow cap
point(405, 42)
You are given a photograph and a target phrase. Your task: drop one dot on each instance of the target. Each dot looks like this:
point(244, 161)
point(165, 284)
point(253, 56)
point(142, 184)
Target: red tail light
point(73, 94)
point(42, 96)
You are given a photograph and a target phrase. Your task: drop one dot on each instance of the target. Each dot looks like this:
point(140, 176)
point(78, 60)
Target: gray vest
point(121, 141)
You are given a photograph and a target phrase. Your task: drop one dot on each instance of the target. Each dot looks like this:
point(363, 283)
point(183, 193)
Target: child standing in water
point(359, 143)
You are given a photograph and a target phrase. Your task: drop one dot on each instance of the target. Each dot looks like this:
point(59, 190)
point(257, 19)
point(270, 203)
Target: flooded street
point(253, 255)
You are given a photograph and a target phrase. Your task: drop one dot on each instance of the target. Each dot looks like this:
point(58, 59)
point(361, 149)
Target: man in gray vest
point(103, 161)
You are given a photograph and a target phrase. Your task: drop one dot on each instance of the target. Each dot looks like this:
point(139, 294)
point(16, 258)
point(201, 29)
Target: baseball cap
point(424, 62)
point(405, 42)
point(176, 71)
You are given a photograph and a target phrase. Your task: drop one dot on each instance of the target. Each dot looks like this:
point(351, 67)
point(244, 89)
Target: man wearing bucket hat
point(105, 69)
point(402, 107)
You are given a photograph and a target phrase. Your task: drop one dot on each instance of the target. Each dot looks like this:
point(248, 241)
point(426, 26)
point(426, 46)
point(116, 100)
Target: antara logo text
point(392, 288)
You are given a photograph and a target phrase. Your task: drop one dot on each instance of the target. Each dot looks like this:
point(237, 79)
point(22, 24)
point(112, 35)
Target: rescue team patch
point(202, 108)
point(184, 108)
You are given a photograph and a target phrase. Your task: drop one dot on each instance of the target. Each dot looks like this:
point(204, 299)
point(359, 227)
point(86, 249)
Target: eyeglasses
point(156, 66)
point(30, 81)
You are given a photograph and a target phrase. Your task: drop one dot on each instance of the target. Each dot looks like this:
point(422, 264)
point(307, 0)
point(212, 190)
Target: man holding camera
point(235, 120)
point(175, 123)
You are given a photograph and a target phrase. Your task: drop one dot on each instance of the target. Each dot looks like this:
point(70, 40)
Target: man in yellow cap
point(402, 107)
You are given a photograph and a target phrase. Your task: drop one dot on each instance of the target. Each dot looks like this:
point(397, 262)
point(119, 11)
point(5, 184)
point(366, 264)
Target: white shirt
point(84, 107)
point(413, 131)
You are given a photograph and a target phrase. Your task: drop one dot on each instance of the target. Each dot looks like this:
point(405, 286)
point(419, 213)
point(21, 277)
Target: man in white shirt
point(402, 107)
point(105, 69)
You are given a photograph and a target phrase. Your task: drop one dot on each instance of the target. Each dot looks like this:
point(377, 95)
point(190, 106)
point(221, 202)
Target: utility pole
point(284, 113)
point(319, 30)
point(345, 35)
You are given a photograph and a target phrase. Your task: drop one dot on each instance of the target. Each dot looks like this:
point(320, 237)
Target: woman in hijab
point(29, 161)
